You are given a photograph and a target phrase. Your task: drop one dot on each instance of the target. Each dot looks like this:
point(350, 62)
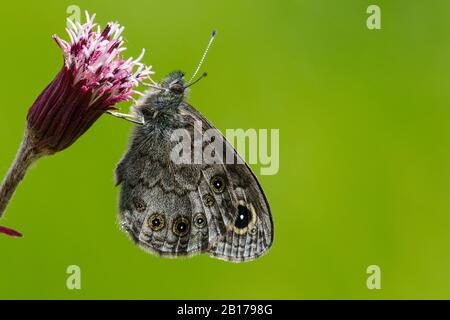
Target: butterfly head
point(162, 98)
point(173, 84)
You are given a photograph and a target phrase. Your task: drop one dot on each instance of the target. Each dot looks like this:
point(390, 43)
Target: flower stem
point(25, 157)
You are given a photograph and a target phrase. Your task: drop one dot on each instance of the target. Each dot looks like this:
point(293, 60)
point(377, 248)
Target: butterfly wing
point(183, 209)
point(241, 213)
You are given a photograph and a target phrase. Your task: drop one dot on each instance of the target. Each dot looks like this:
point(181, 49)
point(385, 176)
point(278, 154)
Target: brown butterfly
point(181, 209)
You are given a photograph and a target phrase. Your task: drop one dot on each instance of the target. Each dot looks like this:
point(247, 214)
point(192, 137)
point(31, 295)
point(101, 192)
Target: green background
point(364, 149)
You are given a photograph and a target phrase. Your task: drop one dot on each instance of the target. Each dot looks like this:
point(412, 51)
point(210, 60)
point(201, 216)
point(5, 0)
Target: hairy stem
point(25, 157)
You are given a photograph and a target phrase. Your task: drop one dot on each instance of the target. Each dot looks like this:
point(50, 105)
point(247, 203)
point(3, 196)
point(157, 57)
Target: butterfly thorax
point(161, 103)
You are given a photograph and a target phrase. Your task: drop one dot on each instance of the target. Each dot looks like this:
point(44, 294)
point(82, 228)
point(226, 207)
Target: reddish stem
point(25, 157)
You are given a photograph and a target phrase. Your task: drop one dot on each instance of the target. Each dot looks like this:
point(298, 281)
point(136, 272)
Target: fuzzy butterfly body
point(179, 209)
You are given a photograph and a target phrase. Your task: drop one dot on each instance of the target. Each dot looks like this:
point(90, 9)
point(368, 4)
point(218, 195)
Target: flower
point(92, 80)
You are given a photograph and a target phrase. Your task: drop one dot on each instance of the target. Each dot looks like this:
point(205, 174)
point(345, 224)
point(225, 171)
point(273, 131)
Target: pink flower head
point(93, 79)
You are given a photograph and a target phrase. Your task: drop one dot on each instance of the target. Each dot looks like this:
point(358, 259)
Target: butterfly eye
point(243, 218)
point(178, 88)
point(156, 221)
point(218, 184)
point(181, 226)
point(139, 204)
point(200, 220)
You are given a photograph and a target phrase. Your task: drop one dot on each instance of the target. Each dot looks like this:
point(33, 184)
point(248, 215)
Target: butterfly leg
point(129, 117)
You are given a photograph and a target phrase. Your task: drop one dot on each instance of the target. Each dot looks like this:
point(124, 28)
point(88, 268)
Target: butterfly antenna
point(213, 35)
point(198, 79)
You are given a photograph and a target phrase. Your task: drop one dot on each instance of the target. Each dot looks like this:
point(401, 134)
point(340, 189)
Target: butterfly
point(182, 209)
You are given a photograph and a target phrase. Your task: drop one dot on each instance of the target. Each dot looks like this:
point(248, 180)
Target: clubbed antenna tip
point(213, 35)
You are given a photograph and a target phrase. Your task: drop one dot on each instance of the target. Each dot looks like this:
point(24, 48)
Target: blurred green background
point(364, 149)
